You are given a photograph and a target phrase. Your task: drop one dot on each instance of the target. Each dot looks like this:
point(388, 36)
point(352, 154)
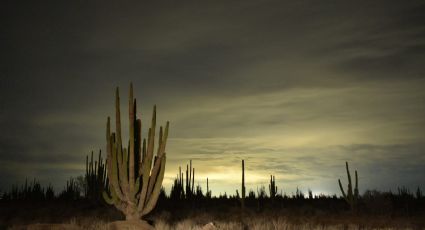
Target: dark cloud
point(386, 46)
point(255, 80)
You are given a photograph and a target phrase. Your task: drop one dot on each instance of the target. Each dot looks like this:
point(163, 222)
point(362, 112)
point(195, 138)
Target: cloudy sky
point(296, 88)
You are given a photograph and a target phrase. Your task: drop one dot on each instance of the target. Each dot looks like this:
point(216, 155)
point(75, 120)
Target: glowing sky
point(296, 88)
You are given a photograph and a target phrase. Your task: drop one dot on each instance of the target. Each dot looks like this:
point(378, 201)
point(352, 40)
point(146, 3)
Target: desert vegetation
point(187, 206)
point(127, 185)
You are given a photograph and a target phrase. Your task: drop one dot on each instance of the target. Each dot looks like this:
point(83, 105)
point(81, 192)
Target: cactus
point(299, 194)
point(310, 194)
point(50, 193)
point(208, 193)
point(134, 182)
point(261, 192)
point(243, 186)
point(30, 191)
point(71, 192)
point(350, 197)
point(190, 180)
point(272, 187)
point(95, 179)
point(181, 189)
point(177, 190)
point(198, 192)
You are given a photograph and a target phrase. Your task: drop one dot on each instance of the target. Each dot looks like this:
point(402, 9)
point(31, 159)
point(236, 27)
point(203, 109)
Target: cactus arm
point(151, 140)
point(112, 162)
point(91, 165)
point(190, 177)
point(270, 186)
point(120, 170)
point(165, 137)
point(187, 180)
point(118, 140)
point(156, 191)
point(143, 153)
point(152, 181)
point(342, 189)
point(118, 120)
point(114, 180)
point(125, 171)
point(138, 146)
point(108, 143)
point(136, 188)
point(120, 155)
point(131, 136)
point(356, 189)
point(193, 180)
point(112, 199)
point(105, 176)
point(160, 139)
point(147, 162)
point(350, 187)
point(157, 163)
point(243, 185)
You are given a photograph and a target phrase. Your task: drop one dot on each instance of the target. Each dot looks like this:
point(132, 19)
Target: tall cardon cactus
point(134, 182)
point(351, 197)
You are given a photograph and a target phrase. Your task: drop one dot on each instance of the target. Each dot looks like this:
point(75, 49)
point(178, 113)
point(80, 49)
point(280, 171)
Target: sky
point(296, 88)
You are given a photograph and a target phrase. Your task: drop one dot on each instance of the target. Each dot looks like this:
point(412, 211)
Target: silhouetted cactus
point(208, 193)
point(237, 196)
point(272, 187)
point(50, 193)
point(95, 178)
point(351, 197)
point(134, 183)
point(310, 194)
point(243, 186)
point(30, 191)
point(190, 180)
point(299, 194)
point(183, 187)
point(71, 191)
point(261, 192)
point(251, 195)
point(198, 192)
point(177, 190)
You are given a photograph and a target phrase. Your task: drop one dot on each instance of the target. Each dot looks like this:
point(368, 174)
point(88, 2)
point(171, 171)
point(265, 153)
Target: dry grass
point(91, 218)
point(262, 224)
point(193, 224)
